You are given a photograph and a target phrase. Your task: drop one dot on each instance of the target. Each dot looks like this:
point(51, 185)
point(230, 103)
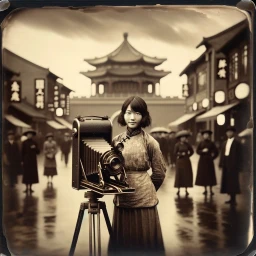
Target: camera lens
point(115, 163)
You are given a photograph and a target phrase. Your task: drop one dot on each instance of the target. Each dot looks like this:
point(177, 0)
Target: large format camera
point(97, 165)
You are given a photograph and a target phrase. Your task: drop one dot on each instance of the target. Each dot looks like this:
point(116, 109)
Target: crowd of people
point(20, 157)
point(233, 158)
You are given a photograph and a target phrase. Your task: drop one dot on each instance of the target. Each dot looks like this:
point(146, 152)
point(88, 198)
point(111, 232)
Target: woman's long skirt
point(50, 171)
point(205, 172)
point(184, 174)
point(136, 231)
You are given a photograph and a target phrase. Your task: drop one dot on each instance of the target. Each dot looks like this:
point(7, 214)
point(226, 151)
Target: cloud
point(175, 25)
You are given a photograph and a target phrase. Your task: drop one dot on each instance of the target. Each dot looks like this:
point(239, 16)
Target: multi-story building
point(123, 73)
point(219, 82)
point(32, 96)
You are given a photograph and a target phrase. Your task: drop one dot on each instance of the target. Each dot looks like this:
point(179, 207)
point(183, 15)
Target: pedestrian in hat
point(65, 147)
point(183, 151)
point(29, 154)
point(231, 165)
point(50, 150)
point(205, 170)
point(171, 144)
point(12, 158)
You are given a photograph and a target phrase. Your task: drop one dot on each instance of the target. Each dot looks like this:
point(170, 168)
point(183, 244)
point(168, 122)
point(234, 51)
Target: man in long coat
point(231, 164)
point(65, 147)
point(29, 154)
point(12, 159)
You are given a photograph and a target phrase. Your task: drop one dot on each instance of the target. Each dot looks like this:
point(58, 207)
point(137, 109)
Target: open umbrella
point(159, 129)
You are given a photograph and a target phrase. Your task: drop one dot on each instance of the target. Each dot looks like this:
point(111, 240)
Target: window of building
point(101, 88)
point(150, 88)
point(191, 86)
point(233, 67)
point(201, 81)
point(157, 88)
point(245, 58)
point(93, 89)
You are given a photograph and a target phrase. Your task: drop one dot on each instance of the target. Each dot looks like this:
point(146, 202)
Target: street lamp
point(205, 103)
point(59, 112)
point(242, 91)
point(194, 106)
point(221, 119)
point(219, 97)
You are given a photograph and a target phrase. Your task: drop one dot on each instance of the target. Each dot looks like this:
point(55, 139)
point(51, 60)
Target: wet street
point(43, 223)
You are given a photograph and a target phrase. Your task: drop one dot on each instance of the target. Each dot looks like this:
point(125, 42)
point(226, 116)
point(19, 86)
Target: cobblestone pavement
point(43, 223)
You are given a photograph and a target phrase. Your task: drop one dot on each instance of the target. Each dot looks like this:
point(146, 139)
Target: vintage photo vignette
point(81, 4)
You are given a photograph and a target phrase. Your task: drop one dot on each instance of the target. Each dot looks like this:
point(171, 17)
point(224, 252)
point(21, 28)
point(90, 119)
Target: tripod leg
point(99, 239)
point(90, 234)
point(104, 209)
point(77, 229)
point(94, 236)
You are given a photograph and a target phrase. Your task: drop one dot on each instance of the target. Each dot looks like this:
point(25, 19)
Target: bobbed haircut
point(137, 105)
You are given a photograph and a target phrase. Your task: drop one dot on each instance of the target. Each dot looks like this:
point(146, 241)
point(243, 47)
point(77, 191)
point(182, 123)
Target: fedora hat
point(11, 132)
point(29, 131)
point(206, 131)
point(182, 133)
point(231, 128)
point(49, 134)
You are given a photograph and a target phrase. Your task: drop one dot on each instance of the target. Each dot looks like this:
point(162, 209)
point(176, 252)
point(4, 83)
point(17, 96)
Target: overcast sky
point(60, 39)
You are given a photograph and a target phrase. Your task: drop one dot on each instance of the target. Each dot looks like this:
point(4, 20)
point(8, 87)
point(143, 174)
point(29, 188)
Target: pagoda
point(125, 71)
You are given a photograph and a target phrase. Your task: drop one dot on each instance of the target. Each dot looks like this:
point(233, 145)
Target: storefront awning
point(17, 122)
point(211, 114)
point(55, 125)
point(246, 132)
point(184, 118)
point(64, 122)
point(28, 110)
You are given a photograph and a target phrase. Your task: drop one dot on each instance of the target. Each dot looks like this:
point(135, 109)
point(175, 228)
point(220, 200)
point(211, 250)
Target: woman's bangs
point(136, 106)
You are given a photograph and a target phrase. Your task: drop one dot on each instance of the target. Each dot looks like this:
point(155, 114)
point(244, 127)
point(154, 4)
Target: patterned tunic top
point(141, 152)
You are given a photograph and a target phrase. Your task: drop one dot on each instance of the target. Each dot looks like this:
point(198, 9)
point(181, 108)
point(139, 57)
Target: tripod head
point(92, 196)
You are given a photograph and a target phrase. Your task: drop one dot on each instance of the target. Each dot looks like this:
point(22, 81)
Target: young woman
point(206, 171)
point(136, 226)
point(183, 151)
point(50, 150)
point(29, 154)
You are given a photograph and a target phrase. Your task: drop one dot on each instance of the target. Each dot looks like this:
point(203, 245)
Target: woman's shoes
point(205, 192)
point(178, 193)
point(187, 193)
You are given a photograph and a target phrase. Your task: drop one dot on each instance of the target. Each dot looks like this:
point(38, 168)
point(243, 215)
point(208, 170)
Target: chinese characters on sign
point(221, 68)
point(56, 96)
point(39, 93)
point(185, 90)
point(15, 91)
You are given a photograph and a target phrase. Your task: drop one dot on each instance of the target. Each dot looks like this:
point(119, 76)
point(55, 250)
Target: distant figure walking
point(12, 159)
point(171, 144)
point(50, 150)
point(29, 154)
point(183, 151)
point(205, 170)
point(231, 164)
point(65, 147)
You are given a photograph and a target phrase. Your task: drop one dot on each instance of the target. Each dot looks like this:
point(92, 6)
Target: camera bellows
point(94, 148)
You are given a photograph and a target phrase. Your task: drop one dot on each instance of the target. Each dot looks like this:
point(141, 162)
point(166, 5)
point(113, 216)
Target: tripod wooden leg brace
point(93, 206)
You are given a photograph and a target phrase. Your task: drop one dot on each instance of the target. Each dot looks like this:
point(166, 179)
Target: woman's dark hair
point(137, 105)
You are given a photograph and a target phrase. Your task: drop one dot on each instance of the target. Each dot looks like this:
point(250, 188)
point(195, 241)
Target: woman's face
point(132, 119)
point(183, 139)
point(206, 135)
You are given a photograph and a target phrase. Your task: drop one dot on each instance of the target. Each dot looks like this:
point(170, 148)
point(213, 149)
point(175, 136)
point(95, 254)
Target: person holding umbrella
point(50, 150)
point(183, 151)
point(205, 170)
point(29, 154)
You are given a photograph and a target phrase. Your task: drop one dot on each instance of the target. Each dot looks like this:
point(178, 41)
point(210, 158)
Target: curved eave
point(105, 60)
point(128, 72)
point(157, 73)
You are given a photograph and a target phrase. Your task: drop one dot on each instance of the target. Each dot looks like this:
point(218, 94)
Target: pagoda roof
point(125, 53)
point(218, 41)
point(126, 72)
